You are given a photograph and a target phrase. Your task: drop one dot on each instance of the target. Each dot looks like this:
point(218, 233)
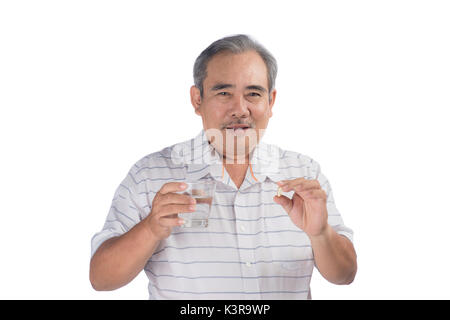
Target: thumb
point(284, 201)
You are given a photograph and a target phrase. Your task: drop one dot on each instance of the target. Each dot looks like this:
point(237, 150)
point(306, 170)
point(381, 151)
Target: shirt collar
point(265, 162)
point(202, 159)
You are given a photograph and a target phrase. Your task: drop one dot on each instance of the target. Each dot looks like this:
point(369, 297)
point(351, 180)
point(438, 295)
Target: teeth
point(237, 127)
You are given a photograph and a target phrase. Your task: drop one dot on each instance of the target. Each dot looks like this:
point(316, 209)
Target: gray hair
point(235, 44)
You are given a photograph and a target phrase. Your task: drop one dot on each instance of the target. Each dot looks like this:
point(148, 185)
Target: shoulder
point(292, 163)
point(164, 159)
point(169, 163)
point(292, 158)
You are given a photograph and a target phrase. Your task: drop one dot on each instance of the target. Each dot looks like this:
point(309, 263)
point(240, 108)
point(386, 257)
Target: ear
point(273, 95)
point(196, 99)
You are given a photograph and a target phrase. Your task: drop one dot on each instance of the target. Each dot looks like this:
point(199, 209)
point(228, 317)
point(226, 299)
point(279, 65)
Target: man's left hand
point(308, 206)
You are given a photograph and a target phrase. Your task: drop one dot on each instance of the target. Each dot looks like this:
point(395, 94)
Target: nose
point(239, 108)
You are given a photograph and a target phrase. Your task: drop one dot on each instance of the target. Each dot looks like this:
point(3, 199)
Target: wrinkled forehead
point(236, 69)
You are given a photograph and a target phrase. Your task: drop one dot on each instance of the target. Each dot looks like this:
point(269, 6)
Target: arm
point(335, 256)
point(119, 260)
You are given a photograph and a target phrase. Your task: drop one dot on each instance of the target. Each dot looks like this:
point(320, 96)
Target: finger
point(286, 185)
point(175, 198)
point(284, 201)
point(299, 184)
point(313, 194)
point(173, 187)
point(175, 209)
point(304, 184)
point(307, 185)
point(171, 221)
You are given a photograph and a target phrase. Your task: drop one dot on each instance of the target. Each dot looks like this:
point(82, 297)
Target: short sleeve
point(125, 212)
point(335, 219)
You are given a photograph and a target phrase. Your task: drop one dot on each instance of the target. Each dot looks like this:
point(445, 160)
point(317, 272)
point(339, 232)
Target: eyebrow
point(220, 86)
point(256, 87)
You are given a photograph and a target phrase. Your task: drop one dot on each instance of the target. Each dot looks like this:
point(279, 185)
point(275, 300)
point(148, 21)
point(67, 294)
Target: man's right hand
point(165, 208)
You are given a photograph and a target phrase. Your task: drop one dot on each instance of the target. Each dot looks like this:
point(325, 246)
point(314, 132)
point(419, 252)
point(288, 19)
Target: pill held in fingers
point(279, 192)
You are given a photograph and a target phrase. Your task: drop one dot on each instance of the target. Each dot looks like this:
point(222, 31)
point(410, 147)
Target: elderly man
point(259, 244)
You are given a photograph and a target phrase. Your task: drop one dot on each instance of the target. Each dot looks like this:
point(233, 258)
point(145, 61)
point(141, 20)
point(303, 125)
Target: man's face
point(235, 103)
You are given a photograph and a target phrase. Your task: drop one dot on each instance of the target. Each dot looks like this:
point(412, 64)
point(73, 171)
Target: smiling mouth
point(238, 127)
point(237, 130)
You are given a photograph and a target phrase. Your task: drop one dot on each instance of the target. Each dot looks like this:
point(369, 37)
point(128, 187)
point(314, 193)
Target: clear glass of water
point(203, 193)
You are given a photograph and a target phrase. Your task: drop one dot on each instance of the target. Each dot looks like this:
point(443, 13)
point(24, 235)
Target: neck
point(236, 170)
point(244, 160)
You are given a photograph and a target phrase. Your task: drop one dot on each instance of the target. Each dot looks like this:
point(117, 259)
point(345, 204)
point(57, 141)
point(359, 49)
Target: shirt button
point(242, 228)
point(248, 264)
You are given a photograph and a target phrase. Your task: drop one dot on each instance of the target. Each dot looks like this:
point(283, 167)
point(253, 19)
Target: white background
point(89, 87)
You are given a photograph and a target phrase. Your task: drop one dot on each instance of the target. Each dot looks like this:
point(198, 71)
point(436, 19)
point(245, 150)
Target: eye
point(223, 93)
point(255, 94)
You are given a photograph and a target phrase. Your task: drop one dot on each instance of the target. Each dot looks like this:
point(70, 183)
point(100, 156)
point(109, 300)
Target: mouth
point(237, 129)
point(238, 126)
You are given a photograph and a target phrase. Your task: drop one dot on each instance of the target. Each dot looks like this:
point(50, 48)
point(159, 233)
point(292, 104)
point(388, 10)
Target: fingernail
point(181, 221)
point(191, 207)
point(193, 201)
point(183, 186)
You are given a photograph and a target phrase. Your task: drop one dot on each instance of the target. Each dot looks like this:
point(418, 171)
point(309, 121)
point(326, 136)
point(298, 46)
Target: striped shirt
point(250, 249)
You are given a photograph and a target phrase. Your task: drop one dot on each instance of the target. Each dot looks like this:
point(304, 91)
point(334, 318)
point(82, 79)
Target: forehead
point(245, 68)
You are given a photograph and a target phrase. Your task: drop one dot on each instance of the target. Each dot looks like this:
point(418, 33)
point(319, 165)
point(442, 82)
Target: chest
point(237, 173)
point(246, 229)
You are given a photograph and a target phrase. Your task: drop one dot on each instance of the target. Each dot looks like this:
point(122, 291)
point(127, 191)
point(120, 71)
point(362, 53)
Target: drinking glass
point(203, 193)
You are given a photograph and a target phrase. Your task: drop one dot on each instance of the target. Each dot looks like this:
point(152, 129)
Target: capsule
point(279, 192)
